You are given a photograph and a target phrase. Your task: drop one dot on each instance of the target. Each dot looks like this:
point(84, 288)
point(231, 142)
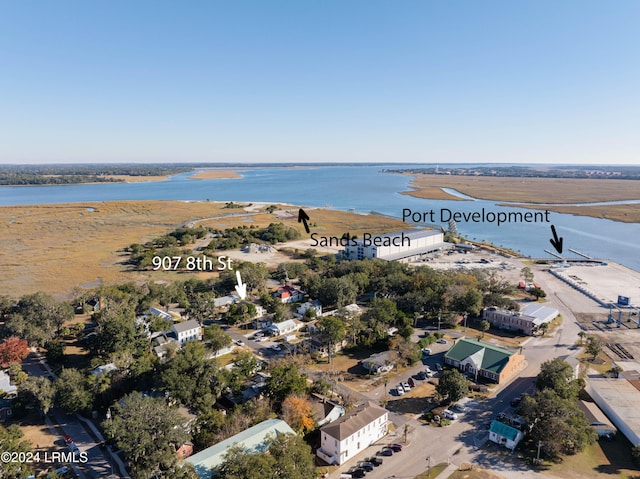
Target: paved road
point(98, 462)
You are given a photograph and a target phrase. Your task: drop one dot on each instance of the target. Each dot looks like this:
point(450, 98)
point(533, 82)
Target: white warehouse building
point(405, 245)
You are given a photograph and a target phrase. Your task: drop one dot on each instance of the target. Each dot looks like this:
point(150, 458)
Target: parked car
point(411, 382)
point(367, 466)
point(356, 472)
point(449, 414)
point(406, 386)
point(515, 402)
point(376, 461)
point(426, 351)
point(275, 347)
point(385, 451)
point(67, 440)
point(400, 390)
point(439, 367)
point(395, 447)
point(441, 341)
point(421, 375)
point(458, 408)
point(240, 343)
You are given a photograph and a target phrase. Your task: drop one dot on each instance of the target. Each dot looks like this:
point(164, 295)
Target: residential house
point(352, 433)
point(482, 360)
point(314, 305)
point(225, 301)
point(379, 363)
point(253, 439)
point(187, 331)
point(105, 368)
point(185, 450)
point(253, 388)
point(318, 345)
point(529, 321)
point(163, 346)
point(6, 385)
point(505, 435)
point(324, 410)
point(285, 327)
point(289, 294)
point(5, 409)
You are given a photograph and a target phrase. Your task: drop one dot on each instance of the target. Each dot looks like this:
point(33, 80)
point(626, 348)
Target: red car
point(67, 440)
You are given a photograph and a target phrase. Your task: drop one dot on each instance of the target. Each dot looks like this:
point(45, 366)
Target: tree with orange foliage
point(296, 411)
point(13, 350)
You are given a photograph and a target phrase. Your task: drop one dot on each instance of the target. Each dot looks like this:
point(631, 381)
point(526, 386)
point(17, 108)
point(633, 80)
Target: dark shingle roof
point(492, 358)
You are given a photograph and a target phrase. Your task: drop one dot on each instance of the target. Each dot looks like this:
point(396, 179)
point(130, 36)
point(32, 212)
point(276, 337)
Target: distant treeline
point(589, 171)
point(73, 174)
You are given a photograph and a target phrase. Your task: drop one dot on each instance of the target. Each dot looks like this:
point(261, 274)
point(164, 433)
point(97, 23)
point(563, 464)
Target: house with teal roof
point(254, 439)
point(505, 435)
point(482, 360)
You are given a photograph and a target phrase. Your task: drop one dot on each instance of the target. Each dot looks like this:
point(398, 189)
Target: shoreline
point(535, 193)
point(216, 175)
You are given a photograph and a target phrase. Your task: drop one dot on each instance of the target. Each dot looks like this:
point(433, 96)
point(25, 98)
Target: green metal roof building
point(484, 360)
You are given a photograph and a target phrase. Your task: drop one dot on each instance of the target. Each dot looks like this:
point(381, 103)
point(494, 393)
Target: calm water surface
point(362, 189)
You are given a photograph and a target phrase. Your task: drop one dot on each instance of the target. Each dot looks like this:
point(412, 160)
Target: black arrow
point(303, 217)
point(556, 242)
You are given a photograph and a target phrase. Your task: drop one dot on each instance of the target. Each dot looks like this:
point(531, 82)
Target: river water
point(362, 189)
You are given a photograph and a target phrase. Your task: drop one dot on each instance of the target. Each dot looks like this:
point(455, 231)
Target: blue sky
point(325, 80)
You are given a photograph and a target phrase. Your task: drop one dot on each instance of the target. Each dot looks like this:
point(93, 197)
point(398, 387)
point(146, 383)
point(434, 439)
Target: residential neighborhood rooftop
point(354, 421)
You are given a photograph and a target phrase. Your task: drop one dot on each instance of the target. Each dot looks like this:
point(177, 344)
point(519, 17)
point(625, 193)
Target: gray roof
point(186, 326)
point(351, 423)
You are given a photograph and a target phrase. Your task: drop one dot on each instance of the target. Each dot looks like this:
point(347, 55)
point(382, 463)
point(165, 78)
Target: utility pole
point(439, 319)
point(538, 457)
point(465, 321)
point(429, 467)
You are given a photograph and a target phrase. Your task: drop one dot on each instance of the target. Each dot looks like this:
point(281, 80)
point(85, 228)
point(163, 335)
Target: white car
point(240, 343)
point(449, 414)
point(406, 387)
point(400, 390)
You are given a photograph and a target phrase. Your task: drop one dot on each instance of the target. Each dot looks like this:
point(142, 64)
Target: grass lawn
point(603, 459)
point(475, 474)
point(435, 470)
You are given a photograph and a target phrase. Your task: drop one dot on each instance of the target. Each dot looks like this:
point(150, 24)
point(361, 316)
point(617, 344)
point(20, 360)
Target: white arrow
point(241, 287)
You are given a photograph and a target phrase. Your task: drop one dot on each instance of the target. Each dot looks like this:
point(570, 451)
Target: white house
point(187, 331)
point(6, 385)
point(285, 327)
point(314, 305)
point(351, 434)
point(289, 294)
point(505, 435)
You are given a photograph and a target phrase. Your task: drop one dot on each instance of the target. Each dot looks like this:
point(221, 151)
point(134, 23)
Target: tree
point(557, 422)
point(192, 378)
point(39, 390)
point(246, 364)
point(148, 431)
point(594, 347)
point(287, 457)
point(38, 317)
point(285, 380)
point(557, 375)
point(241, 313)
point(13, 350)
point(485, 326)
point(452, 385)
point(11, 440)
point(538, 293)
point(333, 329)
point(527, 274)
point(293, 458)
point(297, 412)
point(216, 338)
point(72, 391)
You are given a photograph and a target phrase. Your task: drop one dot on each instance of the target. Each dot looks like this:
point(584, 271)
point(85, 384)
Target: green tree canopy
point(452, 385)
point(192, 378)
point(286, 379)
point(148, 431)
point(73, 393)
